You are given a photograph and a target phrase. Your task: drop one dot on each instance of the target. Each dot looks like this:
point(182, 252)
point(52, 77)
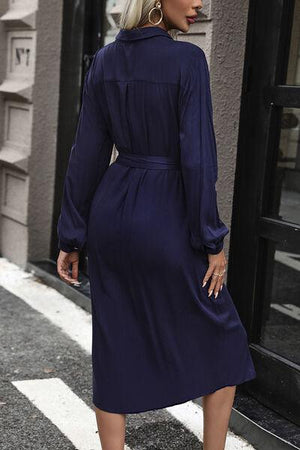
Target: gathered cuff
point(212, 248)
point(64, 246)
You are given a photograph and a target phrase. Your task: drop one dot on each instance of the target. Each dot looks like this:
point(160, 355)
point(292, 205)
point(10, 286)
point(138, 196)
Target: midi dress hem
point(182, 399)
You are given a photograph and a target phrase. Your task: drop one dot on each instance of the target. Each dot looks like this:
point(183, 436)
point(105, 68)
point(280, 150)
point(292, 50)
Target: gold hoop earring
point(156, 7)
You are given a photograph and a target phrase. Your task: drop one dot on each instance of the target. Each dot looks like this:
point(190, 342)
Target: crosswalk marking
point(65, 409)
point(191, 416)
point(61, 311)
point(76, 323)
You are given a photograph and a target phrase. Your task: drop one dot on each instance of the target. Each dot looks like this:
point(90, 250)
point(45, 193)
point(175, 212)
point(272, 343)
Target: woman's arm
point(89, 158)
point(199, 156)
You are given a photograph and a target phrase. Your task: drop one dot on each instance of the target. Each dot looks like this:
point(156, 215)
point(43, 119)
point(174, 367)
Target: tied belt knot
point(148, 161)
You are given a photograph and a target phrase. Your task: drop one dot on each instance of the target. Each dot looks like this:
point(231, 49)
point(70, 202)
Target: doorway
point(265, 245)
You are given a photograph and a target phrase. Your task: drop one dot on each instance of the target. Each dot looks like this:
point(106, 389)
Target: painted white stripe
point(76, 323)
point(288, 309)
point(64, 313)
point(191, 416)
point(64, 409)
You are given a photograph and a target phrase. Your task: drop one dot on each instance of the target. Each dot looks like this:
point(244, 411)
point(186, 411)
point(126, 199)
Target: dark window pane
point(281, 314)
point(284, 203)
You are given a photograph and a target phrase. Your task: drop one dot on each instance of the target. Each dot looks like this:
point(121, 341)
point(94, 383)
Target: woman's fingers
point(215, 272)
point(214, 282)
point(67, 274)
point(219, 281)
point(63, 271)
point(75, 270)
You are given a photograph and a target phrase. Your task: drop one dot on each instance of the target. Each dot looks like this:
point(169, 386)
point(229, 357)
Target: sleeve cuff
point(67, 247)
point(215, 249)
point(212, 249)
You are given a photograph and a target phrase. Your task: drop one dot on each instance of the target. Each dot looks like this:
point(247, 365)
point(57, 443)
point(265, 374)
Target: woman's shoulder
point(191, 57)
point(189, 54)
point(189, 49)
point(100, 52)
point(102, 56)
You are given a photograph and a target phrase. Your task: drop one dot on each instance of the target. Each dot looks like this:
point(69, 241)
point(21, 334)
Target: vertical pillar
point(20, 36)
point(29, 92)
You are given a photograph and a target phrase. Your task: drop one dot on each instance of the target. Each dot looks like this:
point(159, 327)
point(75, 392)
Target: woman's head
point(175, 13)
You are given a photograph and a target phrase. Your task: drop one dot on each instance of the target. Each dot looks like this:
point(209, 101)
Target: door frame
point(264, 94)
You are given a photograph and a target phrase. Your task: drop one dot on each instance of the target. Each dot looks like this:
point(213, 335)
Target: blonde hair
point(135, 13)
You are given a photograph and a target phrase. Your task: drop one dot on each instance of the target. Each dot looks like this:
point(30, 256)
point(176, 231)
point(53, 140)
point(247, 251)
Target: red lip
point(191, 19)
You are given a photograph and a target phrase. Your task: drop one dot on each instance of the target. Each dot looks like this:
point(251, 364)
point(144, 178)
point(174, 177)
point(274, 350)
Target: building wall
point(3, 52)
point(222, 35)
point(227, 53)
point(30, 46)
point(44, 130)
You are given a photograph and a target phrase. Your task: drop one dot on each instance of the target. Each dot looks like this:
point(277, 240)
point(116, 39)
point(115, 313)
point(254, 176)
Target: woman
point(165, 329)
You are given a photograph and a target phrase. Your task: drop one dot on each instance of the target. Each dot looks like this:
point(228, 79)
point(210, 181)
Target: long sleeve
point(89, 158)
point(199, 156)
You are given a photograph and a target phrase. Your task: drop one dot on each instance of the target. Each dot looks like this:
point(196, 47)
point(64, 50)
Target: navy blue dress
point(148, 221)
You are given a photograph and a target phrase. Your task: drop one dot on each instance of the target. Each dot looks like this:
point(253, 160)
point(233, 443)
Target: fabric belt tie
point(148, 161)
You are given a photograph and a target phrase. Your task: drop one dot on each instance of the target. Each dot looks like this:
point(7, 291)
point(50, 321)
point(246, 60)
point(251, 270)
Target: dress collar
point(141, 33)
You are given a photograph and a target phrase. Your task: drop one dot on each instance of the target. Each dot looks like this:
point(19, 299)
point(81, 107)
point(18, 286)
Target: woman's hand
point(216, 270)
point(64, 261)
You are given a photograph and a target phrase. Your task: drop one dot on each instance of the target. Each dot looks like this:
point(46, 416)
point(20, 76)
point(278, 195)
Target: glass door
point(265, 248)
